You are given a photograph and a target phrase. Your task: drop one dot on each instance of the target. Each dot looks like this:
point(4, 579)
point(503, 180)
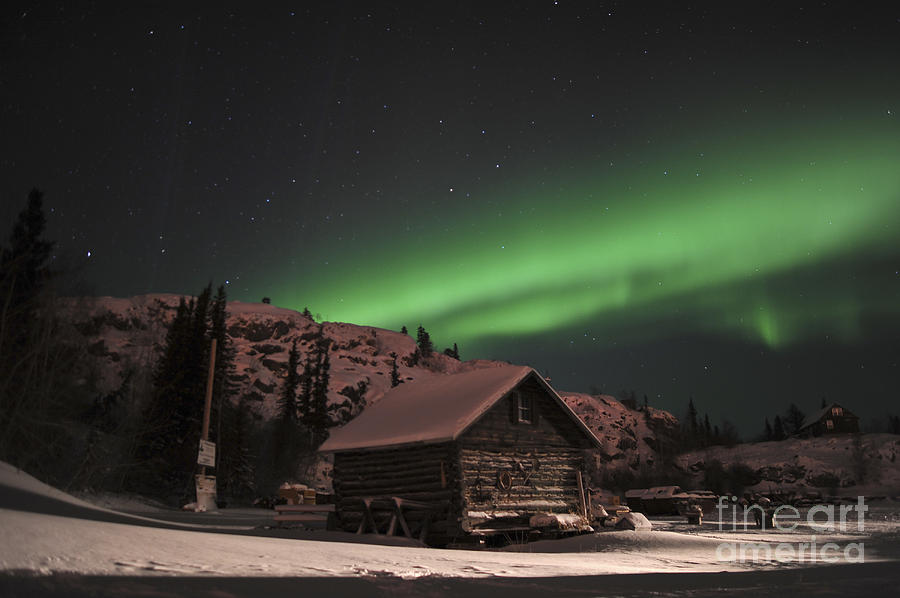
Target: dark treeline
point(695, 431)
point(41, 362)
point(784, 425)
point(168, 435)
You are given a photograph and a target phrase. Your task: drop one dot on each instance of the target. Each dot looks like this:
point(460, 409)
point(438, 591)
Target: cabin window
point(524, 409)
point(829, 424)
point(837, 411)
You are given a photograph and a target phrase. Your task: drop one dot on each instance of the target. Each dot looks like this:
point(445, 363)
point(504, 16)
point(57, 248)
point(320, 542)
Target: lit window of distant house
point(524, 409)
point(838, 411)
point(829, 424)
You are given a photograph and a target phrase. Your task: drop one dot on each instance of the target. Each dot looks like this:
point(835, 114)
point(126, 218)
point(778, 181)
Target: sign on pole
point(207, 454)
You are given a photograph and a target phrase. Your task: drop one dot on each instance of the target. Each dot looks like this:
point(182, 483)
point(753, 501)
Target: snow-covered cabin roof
point(438, 409)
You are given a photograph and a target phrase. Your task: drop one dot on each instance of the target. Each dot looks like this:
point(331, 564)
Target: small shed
point(477, 453)
point(833, 419)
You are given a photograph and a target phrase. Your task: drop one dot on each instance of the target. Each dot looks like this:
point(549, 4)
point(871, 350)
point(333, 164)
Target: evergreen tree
point(287, 433)
point(423, 340)
point(161, 433)
point(288, 410)
point(404, 330)
point(794, 419)
point(320, 420)
point(894, 424)
point(778, 429)
point(168, 440)
point(395, 372)
point(454, 352)
point(37, 375)
point(24, 271)
point(307, 381)
point(235, 473)
point(690, 427)
point(768, 434)
point(223, 385)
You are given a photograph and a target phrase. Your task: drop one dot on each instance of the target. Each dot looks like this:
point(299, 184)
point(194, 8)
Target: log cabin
point(487, 454)
point(832, 419)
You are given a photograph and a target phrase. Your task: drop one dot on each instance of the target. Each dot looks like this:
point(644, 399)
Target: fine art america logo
point(787, 518)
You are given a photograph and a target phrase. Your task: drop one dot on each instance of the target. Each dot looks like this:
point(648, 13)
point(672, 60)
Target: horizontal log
point(535, 451)
point(305, 508)
point(392, 456)
point(365, 468)
point(361, 489)
point(437, 496)
point(310, 517)
point(398, 478)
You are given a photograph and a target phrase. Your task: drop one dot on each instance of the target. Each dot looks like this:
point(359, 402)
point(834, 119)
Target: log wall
point(541, 459)
point(413, 473)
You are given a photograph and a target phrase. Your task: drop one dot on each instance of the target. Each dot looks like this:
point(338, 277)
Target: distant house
point(833, 419)
point(489, 452)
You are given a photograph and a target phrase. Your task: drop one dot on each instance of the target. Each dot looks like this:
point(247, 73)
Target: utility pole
point(206, 485)
point(204, 434)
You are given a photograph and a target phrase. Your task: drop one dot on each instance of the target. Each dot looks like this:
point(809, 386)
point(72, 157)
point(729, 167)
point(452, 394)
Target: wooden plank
point(302, 517)
point(356, 497)
point(306, 508)
point(584, 509)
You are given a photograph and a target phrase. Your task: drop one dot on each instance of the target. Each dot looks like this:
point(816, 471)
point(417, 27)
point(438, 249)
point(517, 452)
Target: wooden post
point(209, 388)
point(584, 508)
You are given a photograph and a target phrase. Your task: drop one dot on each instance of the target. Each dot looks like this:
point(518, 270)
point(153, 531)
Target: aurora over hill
point(703, 238)
point(680, 200)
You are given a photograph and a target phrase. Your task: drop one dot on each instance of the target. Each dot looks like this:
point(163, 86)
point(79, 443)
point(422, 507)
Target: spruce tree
point(223, 384)
point(167, 442)
point(24, 270)
point(395, 372)
point(691, 425)
point(307, 380)
point(423, 340)
point(778, 429)
point(235, 472)
point(768, 431)
point(287, 431)
point(320, 419)
point(288, 410)
point(454, 352)
point(34, 363)
point(794, 419)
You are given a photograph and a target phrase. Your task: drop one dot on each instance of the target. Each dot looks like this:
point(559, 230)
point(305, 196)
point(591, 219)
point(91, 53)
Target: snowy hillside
point(123, 336)
point(629, 437)
point(828, 464)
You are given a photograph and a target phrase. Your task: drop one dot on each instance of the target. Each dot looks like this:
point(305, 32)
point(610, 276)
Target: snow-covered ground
point(52, 536)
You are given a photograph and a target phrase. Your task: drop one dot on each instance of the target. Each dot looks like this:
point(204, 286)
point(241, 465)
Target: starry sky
point(687, 200)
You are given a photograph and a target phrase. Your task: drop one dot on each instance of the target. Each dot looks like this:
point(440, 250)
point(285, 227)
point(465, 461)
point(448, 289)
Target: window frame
point(524, 408)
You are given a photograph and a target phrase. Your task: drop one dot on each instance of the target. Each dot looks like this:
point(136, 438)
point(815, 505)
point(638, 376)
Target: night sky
point(685, 201)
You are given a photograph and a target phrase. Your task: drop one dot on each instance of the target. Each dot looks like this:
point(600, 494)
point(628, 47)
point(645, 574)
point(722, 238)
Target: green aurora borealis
point(699, 236)
point(683, 200)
